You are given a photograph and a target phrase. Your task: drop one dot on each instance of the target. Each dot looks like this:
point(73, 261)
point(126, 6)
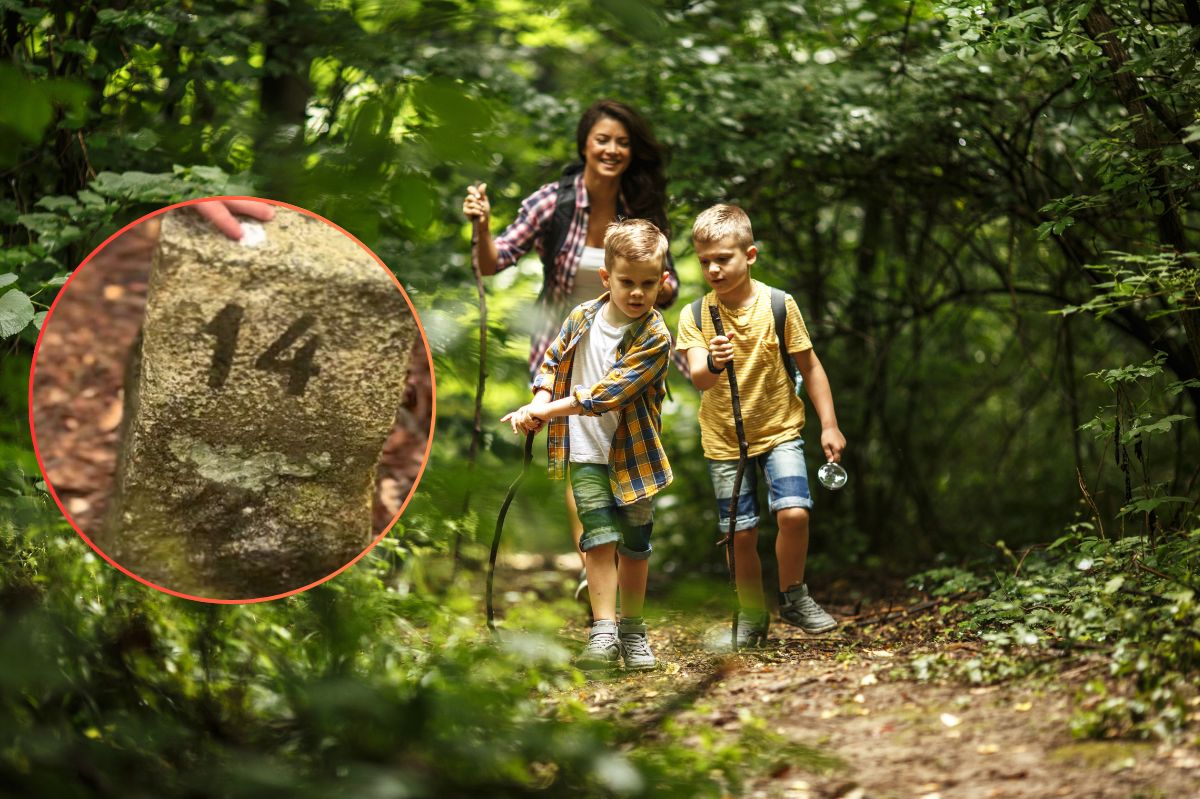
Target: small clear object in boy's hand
point(832, 476)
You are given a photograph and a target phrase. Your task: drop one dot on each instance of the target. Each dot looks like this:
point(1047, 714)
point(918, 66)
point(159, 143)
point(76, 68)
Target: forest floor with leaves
point(843, 716)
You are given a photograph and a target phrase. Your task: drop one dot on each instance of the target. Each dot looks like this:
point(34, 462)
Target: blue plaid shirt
point(634, 387)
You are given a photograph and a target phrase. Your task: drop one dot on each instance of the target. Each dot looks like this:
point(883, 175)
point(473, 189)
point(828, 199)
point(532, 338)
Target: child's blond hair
point(635, 240)
point(723, 222)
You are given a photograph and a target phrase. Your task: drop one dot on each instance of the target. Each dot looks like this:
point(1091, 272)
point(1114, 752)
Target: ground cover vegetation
point(985, 211)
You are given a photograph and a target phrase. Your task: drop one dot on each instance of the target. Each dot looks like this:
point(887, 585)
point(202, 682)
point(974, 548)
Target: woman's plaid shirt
point(525, 234)
point(634, 387)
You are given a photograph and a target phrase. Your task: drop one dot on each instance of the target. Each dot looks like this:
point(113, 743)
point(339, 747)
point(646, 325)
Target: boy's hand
point(475, 205)
point(721, 350)
point(220, 213)
point(526, 419)
point(833, 442)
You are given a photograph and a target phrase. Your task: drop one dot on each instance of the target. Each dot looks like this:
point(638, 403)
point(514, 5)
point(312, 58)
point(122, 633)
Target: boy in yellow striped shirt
point(772, 412)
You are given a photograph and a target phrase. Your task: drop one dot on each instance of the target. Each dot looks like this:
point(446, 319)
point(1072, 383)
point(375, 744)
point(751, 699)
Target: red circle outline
point(428, 443)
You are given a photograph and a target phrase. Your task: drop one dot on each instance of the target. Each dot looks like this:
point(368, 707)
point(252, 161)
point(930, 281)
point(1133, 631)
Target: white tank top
point(587, 277)
point(591, 436)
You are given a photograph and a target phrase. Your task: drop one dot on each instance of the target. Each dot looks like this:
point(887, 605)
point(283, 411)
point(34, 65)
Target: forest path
point(839, 716)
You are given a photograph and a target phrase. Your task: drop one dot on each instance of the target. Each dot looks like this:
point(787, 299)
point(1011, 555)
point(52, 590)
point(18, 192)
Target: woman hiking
point(620, 174)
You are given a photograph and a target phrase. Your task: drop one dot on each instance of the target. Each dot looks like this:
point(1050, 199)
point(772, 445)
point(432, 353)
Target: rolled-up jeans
point(606, 522)
point(787, 484)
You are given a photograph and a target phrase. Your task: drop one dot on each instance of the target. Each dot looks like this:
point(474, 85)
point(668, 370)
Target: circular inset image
point(232, 399)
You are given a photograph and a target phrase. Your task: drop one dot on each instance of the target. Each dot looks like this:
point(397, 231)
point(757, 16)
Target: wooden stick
point(512, 492)
point(477, 431)
point(743, 449)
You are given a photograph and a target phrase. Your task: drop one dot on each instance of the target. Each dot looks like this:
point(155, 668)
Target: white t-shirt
point(588, 285)
point(591, 436)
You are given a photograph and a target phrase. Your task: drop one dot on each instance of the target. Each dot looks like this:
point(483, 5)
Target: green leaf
point(40, 317)
point(1152, 503)
point(1173, 389)
point(634, 17)
point(41, 223)
point(16, 257)
point(144, 139)
point(57, 202)
point(73, 97)
point(7, 280)
point(16, 312)
point(1163, 425)
point(451, 105)
point(139, 186)
point(416, 199)
point(26, 108)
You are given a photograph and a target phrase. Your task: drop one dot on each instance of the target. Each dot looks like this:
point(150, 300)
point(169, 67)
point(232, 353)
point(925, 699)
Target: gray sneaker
point(635, 646)
point(798, 609)
point(602, 650)
point(751, 632)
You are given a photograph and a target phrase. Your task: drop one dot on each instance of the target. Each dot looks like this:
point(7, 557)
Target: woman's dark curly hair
point(644, 183)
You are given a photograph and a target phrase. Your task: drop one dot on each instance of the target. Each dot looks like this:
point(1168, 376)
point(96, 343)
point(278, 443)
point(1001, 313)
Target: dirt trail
point(835, 720)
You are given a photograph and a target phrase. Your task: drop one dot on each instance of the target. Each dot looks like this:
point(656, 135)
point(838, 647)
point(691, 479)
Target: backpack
point(779, 312)
point(555, 235)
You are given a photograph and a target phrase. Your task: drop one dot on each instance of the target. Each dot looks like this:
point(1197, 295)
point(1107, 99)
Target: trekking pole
point(477, 431)
point(743, 449)
point(512, 492)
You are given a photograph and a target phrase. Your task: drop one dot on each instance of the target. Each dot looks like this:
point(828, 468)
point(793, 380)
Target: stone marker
point(268, 375)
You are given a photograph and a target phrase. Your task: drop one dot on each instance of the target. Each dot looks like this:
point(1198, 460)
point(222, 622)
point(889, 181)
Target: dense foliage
point(356, 687)
point(1117, 608)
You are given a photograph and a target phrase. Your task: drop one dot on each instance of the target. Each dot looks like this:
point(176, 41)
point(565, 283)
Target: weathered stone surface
point(266, 381)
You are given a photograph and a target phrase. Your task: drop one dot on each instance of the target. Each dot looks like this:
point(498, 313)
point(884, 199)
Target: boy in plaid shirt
point(600, 387)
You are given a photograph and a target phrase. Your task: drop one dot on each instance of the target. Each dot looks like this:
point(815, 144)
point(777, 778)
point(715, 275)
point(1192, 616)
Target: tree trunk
point(1099, 27)
point(284, 91)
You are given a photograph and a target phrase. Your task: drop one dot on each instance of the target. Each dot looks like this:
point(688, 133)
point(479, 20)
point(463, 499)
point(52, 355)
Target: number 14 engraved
point(225, 327)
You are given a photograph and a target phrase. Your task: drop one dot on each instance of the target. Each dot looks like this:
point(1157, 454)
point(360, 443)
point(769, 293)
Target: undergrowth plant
point(356, 687)
point(1120, 614)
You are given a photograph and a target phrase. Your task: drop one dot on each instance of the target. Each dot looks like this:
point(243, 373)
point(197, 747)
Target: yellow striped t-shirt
point(771, 411)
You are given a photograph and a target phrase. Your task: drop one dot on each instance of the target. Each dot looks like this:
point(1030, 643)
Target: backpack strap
point(779, 311)
point(697, 310)
point(555, 234)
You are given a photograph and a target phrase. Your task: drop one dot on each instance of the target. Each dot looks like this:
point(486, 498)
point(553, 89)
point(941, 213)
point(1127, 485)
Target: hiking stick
point(508, 498)
point(743, 449)
point(477, 431)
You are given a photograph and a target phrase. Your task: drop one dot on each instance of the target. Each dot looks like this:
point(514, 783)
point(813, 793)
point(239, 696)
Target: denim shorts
point(605, 522)
point(787, 484)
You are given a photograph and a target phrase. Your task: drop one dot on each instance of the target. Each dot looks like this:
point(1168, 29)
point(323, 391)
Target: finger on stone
point(217, 214)
point(252, 208)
